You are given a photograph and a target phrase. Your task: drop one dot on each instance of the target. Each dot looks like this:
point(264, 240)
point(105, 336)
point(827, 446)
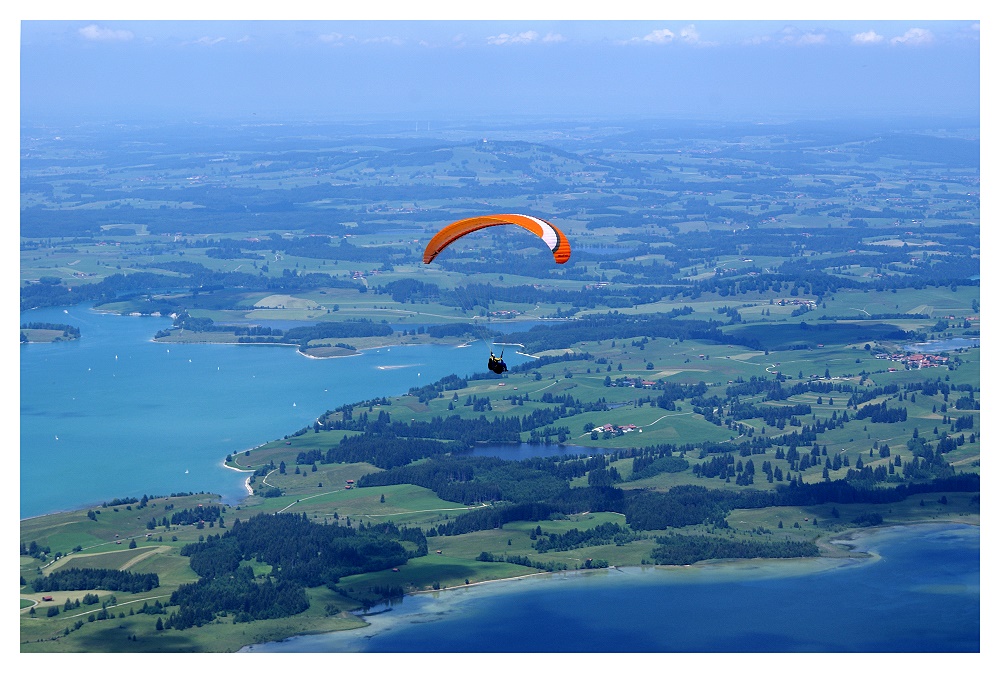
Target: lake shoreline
point(844, 537)
point(69, 410)
point(246, 483)
point(827, 542)
point(391, 343)
point(851, 539)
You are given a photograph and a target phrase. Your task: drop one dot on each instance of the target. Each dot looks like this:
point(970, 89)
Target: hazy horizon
point(428, 70)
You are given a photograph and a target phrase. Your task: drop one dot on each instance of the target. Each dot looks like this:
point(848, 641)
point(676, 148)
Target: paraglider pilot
point(496, 364)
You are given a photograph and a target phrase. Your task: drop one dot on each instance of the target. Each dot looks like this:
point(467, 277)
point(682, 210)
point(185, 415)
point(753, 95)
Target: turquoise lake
point(115, 414)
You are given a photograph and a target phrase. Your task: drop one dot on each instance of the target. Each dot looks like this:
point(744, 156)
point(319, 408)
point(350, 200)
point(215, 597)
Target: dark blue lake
point(917, 592)
point(943, 345)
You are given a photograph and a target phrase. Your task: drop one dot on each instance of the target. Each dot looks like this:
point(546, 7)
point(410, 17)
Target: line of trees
point(517, 559)
point(680, 549)
point(75, 579)
point(605, 533)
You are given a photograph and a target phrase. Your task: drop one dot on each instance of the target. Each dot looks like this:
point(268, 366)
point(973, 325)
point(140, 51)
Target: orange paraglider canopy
point(555, 239)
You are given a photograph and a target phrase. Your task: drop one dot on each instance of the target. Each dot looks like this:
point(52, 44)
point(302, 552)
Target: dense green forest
point(301, 554)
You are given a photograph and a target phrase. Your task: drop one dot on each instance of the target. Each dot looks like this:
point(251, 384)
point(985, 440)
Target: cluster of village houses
point(796, 302)
point(632, 383)
point(617, 429)
point(914, 360)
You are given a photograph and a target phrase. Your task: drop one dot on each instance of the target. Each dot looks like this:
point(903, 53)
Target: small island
point(43, 332)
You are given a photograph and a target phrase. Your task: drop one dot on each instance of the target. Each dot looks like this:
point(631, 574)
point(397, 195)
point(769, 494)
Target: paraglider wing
point(555, 239)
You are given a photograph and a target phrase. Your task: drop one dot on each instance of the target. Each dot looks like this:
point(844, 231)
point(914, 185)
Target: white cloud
point(339, 39)
point(756, 40)
point(661, 36)
point(812, 38)
point(914, 36)
point(95, 32)
point(387, 39)
point(794, 35)
point(970, 32)
point(505, 38)
point(789, 34)
point(553, 37)
point(334, 38)
point(690, 35)
point(208, 41)
point(867, 37)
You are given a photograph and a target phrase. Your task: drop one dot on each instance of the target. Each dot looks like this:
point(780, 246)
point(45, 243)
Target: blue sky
point(759, 70)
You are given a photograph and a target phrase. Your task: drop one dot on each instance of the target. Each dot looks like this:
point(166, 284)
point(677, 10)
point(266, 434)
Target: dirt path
point(419, 511)
point(145, 555)
point(308, 497)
